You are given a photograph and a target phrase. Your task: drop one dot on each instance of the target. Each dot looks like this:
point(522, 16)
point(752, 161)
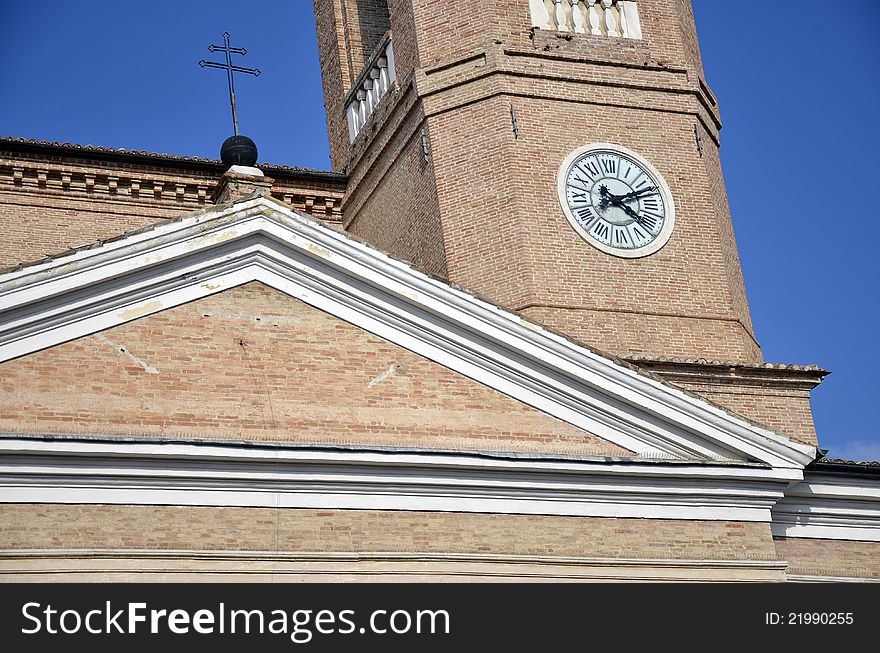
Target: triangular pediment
point(260, 240)
point(252, 364)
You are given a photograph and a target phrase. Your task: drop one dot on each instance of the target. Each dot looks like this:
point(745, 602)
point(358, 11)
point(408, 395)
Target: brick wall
point(336, 76)
point(349, 31)
point(393, 178)
point(258, 529)
point(845, 558)
point(53, 198)
point(777, 396)
point(254, 364)
point(507, 239)
point(366, 21)
point(669, 35)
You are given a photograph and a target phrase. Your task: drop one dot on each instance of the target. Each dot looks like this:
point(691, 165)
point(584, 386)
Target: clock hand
point(608, 196)
point(636, 193)
point(628, 210)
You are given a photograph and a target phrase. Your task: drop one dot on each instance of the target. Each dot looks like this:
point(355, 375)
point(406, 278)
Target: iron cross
point(230, 68)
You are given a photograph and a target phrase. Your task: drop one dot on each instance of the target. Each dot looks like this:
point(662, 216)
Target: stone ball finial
point(238, 151)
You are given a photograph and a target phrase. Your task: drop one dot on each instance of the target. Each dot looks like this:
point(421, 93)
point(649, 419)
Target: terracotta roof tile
point(841, 461)
point(144, 154)
point(717, 363)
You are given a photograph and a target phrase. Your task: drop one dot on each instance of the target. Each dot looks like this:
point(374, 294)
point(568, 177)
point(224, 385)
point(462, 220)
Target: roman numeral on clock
point(590, 168)
point(651, 203)
point(586, 214)
point(638, 233)
point(647, 221)
point(609, 165)
point(601, 229)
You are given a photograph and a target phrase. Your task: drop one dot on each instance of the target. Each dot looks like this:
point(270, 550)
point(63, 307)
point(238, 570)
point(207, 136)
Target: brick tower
point(452, 120)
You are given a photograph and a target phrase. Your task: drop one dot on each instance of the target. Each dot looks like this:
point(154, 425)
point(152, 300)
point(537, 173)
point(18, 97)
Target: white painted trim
point(831, 507)
point(137, 473)
point(631, 13)
point(262, 240)
point(139, 564)
point(803, 578)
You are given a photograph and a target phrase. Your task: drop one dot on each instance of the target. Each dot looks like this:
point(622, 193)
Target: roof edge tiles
point(97, 151)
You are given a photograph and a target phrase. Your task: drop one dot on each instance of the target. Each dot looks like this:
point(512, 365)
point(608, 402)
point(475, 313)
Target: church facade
point(506, 338)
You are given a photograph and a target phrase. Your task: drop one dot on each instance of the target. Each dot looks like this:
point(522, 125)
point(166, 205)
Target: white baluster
point(577, 16)
point(621, 16)
point(382, 63)
point(392, 71)
point(610, 25)
point(371, 99)
point(561, 20)
point(368, 100)
point(594, 18)
point(540, 15)
point(353, 124)
point(629, 13)
point(378, 91)
point(372, 89)
point(362, 106)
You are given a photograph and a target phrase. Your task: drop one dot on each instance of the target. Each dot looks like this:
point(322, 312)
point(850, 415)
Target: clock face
point(616, 200)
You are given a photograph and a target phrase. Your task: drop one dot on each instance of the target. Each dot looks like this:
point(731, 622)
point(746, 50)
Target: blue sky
point(797, 84)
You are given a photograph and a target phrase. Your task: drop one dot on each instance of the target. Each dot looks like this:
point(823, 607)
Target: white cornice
point(137, 473)
point(806, 578)
point(261, 240)
point(830, 506)
point(45, 565)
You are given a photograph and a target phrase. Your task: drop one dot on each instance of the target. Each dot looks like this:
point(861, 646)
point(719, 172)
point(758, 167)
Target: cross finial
point(230, 68)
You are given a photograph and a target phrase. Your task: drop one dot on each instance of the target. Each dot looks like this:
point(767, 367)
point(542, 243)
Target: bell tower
point(453, 121)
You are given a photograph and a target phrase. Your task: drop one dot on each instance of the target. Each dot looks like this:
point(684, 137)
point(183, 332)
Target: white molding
point(139, 564)
point(43, 565)
point(832, 507)
point(630, 10)
point(804, 578)
point(262, 240)
point(69, 471)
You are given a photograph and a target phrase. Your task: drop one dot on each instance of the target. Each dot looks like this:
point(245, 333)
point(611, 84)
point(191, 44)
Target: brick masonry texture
point(366, 21)
point(775, 397)
point(786, 412)
point(845, 558)
point(507, 239)
point(29, 526)
point(336, 75)
point(403, 184)
point(55, 198)
point(254, 364)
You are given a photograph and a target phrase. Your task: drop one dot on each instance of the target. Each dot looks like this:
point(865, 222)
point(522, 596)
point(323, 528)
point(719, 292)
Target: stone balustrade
point(378, 76)
point(615, 18)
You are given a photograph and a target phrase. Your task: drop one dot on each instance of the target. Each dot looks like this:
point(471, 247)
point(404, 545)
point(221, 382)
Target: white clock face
point(616, 200)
